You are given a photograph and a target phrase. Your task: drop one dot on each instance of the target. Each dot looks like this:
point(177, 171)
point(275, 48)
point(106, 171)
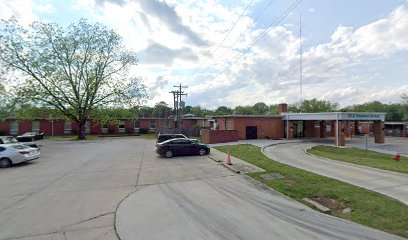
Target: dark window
point(2, 149)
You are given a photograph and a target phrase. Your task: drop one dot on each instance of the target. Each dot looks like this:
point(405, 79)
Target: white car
point(16, 153)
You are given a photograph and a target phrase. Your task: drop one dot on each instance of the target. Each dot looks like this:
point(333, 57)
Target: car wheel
point(202, 152)
point(5, 163)
point(168, 154)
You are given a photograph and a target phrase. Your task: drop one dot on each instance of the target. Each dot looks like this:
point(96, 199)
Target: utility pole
point(178, 105)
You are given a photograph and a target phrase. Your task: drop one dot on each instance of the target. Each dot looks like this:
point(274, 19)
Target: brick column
point(322, 129)
point(342, 128)
point(378, 129)
point(290, 134)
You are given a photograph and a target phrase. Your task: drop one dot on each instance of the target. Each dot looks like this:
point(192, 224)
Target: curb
point(225, 165)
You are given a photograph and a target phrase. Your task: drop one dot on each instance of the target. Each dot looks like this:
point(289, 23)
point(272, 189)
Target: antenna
point(301, 57)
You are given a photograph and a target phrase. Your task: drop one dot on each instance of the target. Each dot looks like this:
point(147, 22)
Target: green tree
point(223, 110)
point(145, 112)
point(198, 111)
point(8, 103)
point(75, 70)
point(260, 108)
point(112, 115)
point(244, 110)
point(273, 109)
point(162, 110)
point(313, 106)
point(394, 111)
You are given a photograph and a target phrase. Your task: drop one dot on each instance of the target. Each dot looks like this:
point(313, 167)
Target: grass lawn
point(367, 207)
point(362, 157)
point(149, 135)
point(71, 138)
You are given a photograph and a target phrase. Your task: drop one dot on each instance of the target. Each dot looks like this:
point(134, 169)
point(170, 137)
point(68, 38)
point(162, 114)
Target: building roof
point(396, 123)
point(248, 116)
point(364, 116)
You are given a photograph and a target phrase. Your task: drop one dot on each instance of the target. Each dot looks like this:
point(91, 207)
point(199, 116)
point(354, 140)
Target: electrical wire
point(229, 32)
point(240, 36)
point(262, 34)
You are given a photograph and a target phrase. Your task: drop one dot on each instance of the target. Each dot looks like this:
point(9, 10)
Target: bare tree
point(74, 69)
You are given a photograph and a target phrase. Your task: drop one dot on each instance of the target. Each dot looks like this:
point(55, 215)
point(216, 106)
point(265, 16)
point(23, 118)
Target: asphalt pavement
point(120, 187)
point(198, 198)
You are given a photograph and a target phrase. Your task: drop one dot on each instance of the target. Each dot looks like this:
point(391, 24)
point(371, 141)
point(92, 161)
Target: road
point(74, 190)
point(386, 182)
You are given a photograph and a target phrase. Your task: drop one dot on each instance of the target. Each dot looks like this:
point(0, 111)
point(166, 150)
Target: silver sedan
point(16, 153)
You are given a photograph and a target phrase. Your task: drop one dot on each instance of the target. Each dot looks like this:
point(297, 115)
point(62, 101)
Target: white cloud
point(21, 9)
point(174, 37)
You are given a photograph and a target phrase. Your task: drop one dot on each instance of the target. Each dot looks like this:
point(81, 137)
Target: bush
point(143, 130)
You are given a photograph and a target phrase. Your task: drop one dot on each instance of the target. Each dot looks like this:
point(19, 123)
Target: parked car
point(30, 136)
point(181, 146)
point(13, 140)
point(16, 153)
point(165, 137)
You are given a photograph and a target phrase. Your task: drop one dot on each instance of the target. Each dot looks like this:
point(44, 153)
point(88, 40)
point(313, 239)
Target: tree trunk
point(81, 132)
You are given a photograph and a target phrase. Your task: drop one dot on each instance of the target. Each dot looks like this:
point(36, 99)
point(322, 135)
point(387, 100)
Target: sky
point(241, 52)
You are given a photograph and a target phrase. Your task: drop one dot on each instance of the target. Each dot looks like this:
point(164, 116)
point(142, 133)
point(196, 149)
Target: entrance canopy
point(350, 116)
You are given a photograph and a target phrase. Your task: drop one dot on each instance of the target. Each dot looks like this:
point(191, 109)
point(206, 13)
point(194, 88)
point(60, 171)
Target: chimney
point(282, 108)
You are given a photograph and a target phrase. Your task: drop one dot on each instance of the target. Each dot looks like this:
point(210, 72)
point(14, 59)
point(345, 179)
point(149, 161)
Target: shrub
point(143, 130)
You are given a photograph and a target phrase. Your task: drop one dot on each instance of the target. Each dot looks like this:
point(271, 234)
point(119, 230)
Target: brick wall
point(24, 126)
point(266, 127)
point(218, 136)
point(5, 127)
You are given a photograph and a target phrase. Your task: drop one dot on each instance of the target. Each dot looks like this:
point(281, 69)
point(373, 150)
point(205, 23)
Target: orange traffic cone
point(229, 158)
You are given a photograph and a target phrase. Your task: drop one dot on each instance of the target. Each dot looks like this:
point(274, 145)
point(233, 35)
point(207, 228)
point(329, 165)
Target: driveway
point(197, 198)
point(386, 182)
point(73, 192)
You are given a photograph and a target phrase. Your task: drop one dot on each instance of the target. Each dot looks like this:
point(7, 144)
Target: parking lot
point(73, 192)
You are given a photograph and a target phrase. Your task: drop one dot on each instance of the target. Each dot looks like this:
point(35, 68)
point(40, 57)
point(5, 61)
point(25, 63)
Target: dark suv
point(165, 137)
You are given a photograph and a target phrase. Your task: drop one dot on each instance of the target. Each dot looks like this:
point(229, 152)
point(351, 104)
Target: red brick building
point(60, 127)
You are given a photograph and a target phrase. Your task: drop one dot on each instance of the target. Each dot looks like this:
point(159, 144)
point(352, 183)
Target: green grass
point(362, 157)
point(149, 135)
point(71, 138)
point(368, 208)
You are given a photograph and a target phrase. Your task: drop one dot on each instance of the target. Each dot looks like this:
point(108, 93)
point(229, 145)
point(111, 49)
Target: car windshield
point(8, 140)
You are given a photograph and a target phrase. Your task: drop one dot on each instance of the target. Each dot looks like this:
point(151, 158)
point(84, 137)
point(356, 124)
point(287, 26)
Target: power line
point(262, 34)
point(242, 34)
point(229, 32)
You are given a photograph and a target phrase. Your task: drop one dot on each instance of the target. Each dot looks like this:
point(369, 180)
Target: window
point(87, 127)
point(35, 126)
point(121, 126)
point(152, 126)
point(137, 127)
point(228, 124)
point(67, 127)
point(2, 149)
point(104, 128)
point(14, 128)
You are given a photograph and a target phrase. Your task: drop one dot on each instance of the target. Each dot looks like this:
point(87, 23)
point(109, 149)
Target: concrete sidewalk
point(389, 183)
point(238, 165)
